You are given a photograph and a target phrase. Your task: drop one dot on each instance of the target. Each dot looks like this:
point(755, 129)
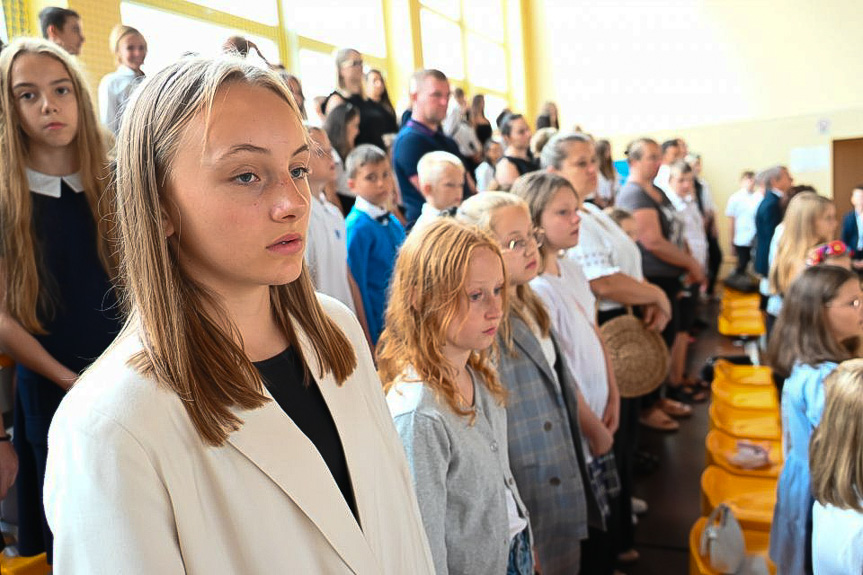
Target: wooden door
point(847, 171)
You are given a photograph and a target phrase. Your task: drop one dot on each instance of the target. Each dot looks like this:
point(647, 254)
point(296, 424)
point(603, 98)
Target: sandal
point(685, 394)
point(695, 382)
point(674, 408)
point(656, 419)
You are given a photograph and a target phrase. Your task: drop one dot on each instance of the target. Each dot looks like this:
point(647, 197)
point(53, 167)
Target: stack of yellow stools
point(37, 565)
point(740, 315)
point(745, 406)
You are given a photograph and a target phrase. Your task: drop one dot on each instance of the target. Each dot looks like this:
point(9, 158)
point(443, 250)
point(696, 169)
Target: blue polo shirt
point(413, 142)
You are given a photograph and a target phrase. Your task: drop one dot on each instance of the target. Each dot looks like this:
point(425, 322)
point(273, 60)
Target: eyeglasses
point(520, 244)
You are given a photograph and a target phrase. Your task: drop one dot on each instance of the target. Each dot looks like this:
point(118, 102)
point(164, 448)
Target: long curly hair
point(427, 295)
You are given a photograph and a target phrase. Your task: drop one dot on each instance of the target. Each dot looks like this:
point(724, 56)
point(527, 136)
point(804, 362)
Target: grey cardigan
point(460, 473)
point(545, 449)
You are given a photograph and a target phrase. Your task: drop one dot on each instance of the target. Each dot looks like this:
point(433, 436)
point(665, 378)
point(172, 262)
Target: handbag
point(722, 541)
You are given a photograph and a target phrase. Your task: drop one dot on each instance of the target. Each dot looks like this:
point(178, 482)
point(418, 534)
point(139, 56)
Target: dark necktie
point(449, 212)
point(383, 218)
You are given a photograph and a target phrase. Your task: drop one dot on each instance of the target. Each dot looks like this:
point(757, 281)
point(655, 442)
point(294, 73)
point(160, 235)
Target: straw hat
point(638, 355)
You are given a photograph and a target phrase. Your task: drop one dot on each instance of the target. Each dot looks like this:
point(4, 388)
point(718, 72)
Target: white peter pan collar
point(50, 185)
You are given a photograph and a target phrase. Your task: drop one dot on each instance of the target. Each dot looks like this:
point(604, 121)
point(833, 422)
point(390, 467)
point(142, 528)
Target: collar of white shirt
point(372, 210)
point(50, 185)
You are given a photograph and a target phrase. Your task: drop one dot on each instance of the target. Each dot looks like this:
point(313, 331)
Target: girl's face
point(580, 167)
point(560, 220)
point(495, 153)
point(826, 224)
point(236, 206)
point(519, 136)
point(375, 86)
point(682, 184)
point(517, 238)
point(132, 51)
point(845, 313)
point(321, 164)
point(352, 130)
point(474, 326)
point(45, 100)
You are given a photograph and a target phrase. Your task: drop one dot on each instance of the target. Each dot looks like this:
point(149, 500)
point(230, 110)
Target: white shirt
point(605, 188)
point(341, 176)
point(46, 185)
point(706, 197)
point(742, 206)
point(604, 249)
point(662, 177)
point(693, 226)
point(428, 215)
point(545, 343)
point(369, 208)
point(573, 318)
point(114, 91)
point(484, 176)
point(837, 540)
point(327, 252)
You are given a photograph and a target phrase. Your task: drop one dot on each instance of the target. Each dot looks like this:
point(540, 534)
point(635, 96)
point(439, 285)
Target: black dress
point(483, 133)
point(375, 120)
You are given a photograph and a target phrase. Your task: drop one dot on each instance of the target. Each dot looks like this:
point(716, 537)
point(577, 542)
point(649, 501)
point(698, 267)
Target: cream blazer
point(131, 488)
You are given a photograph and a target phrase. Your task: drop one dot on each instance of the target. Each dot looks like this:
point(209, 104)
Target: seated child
point(441, 178)
point(374, 234)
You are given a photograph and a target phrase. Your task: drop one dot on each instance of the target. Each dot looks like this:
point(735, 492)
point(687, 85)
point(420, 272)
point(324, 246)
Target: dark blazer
point(850, 233)
point(545, 449)
point(767, 217)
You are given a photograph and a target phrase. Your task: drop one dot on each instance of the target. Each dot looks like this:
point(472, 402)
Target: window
point(358, 24)
point(465, 40)
point(442, 47)
point(4, 36)
point(318, 74)
point(263, 11)
point(170, 36)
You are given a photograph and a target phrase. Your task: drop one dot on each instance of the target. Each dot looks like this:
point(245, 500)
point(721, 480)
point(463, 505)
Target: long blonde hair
point(428, 291)
point(479, 210)
point(25, 299)
point(185, 347)
point(836, 448)
point(798, 238)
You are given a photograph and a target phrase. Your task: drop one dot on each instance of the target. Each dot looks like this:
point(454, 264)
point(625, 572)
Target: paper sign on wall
point(809, 159)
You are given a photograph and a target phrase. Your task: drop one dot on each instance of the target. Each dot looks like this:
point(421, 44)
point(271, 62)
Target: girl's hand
point(8, 467)
point(611, 417)
point(599, 440)
point(655, 318)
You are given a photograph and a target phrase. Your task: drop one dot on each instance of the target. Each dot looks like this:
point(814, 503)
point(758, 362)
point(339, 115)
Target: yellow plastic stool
point(764, 398)
point(724, 370)
point(720, 446)
point(757, 543)
point(746, 326)
point(751, 498)
point(741, 313)
point(36, 565)
point(745, 423)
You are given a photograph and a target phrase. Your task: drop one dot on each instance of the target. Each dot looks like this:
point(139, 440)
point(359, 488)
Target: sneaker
point(639, 506)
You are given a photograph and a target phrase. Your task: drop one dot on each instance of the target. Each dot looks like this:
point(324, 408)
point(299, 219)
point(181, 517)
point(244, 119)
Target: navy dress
point(78, 309)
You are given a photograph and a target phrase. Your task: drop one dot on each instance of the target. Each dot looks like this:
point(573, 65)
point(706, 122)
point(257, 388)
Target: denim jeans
point(520, 555)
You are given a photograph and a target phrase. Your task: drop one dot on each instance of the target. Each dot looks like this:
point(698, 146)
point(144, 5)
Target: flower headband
point(832, 249)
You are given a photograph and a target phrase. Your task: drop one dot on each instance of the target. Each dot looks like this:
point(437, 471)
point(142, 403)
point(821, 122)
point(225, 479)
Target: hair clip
point(833, 249)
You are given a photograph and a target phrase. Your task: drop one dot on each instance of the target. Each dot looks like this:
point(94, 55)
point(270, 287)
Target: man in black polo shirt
point(429, 92)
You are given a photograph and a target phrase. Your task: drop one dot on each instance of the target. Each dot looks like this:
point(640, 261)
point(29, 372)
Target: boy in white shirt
point(326, 240)
point(741, 209)
point(441, 179)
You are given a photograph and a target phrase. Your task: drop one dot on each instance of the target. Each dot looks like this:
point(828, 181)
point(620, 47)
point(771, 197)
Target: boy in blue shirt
point(374, 235)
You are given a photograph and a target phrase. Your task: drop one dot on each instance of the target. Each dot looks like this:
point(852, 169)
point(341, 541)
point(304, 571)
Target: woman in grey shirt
point(447, 300)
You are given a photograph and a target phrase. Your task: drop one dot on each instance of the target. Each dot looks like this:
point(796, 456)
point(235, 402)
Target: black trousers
point(714, 262)
point(744, 256)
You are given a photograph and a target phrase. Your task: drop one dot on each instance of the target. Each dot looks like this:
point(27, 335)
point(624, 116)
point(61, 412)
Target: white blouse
point(837, 540)
point(573, 318)
point(114, 91)
point(604, 249)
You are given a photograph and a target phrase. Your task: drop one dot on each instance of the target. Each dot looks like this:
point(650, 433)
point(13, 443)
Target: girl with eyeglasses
point(562, 286)
point(545, 443)
point(818, 327)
